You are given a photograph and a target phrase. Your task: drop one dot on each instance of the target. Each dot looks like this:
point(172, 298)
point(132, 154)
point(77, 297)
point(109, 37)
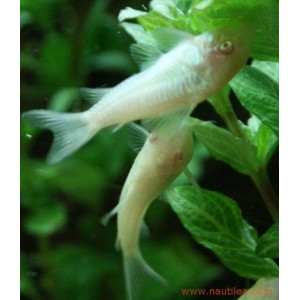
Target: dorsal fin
point(168, 38)
point(144, 55)
point(93, 95)
point(137, 136)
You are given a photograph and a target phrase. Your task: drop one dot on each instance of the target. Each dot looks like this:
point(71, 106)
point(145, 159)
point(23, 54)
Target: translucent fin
point(106, 218)
point(168, 39)
point(116, 127)
point(144, 55)
point(70, 130)
point(137, 136)
point(93, 95)
point(137, 271)
point(169, 121)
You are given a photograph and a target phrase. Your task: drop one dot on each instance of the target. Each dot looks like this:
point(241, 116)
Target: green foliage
point(78, 271)
point(268, 244)
point(226, 147)
point(270, 68)
point(216, 222)
point(202, 15)
point(47, 220)
point(259, 94)
point(263, 138)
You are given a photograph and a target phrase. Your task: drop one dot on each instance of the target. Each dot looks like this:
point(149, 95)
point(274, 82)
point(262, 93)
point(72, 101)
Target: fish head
point(228, 51)
point(224, 52)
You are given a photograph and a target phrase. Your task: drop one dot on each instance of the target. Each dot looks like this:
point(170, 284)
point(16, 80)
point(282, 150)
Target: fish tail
point(71, 131)
point(136, 272)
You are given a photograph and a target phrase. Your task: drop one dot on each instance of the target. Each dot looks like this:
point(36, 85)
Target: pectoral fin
point(137, 136)
point(170, 121)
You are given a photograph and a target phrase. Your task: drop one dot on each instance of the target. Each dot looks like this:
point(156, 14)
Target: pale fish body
point(183, 77)
point(163, 157)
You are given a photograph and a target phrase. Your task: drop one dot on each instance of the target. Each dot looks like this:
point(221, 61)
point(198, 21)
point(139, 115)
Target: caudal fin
point(70, 130)
point(136, 272)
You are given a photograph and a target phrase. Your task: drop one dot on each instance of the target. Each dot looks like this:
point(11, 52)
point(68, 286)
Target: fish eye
point(226, 47)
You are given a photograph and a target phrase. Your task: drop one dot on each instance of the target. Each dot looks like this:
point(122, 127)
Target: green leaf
point(166, 14)
point(270, 68)
point(267, 143)
point(259, 94)
point(154, 20)
point(46, 220)
point(204, 15)
point(263, 138)
point(212, 14)
point(263, 15)
point(266, 44)
point(216, 222)
point(223, 146)
point(130, 13)
point(264, 288)
point(268, 244)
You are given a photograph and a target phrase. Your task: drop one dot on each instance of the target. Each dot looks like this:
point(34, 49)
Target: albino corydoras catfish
point(163, 157)
point(192, 70)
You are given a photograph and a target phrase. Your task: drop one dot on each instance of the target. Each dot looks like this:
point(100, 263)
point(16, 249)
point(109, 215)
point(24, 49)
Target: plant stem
point(223, 107)
point(193, 181)
point(263, 184)
point(232, 123)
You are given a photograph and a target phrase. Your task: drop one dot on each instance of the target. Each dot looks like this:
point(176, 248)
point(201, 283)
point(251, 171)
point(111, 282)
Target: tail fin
point(70, 130)
point(136, 271)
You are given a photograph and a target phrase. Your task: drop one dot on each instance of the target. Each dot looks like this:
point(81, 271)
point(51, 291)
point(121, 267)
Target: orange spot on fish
point(178, 157)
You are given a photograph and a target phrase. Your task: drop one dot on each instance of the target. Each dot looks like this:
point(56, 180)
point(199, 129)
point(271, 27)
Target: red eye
point(226, 47)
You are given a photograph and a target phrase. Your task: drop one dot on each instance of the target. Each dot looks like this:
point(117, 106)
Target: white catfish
point(194, 68)
point(163, 157)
